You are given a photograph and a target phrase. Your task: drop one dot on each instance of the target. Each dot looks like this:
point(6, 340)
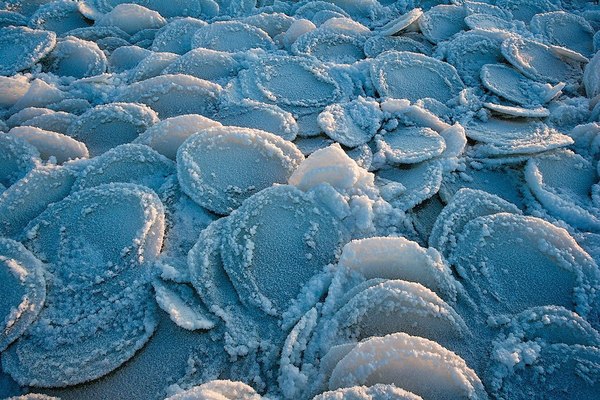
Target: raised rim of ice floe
point(17, 158)
point(548, 25)
point(397, 25)
point(22, 269)
point(217, 36)
point(28, 47)
point(565, 260)
point(560, 201)
point(401, 358)
point(513, 111)
point(518, 51)
point(29, 197)
point(96, 33)
point(524, 10)
point(51, 144)
point(70, 52)
point(476, 7)
point(375, 45)
point(57, 352)
point(131, 18)
point(377, 391)
point(85, 127)
point(438, 20)
point(274, 23)
point(212, 65)
point(352, 123)
point(58, 121)
point(152, 65)
point(151, 91)
point(278, 121)
point(401, 259)
point(307, 243)
point(522, 90)
point(54, 234)
point(390, 61)
point(488, 22)
point(465, 205)
point(428, 178)
point(127, 163)
point(167, 135)
point(13, 18)
point(310, 8)
point(506, 132)
point(410, 145)
point(208, 166)
point(207, 274)
point(420, 311)
point(320, 43)
point(22, 116)
point(255, 84)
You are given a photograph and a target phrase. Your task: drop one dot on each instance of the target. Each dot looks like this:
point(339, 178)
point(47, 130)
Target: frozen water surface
point(340, 199)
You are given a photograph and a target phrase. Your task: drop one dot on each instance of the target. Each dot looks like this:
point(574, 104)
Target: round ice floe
point(253, 114)
point(273, 23)
point(23, 290)
point(406, 186)
point(510, 84)
point(12, 89)
point(307, 240)
point(21, 117)
point(232, 36)
point(73, 342)
point(23, 47)
point(17, 158)
point(97, 33)
point(539, 61)
point(515, 136)
point(511, 262)
point(487, 22)
point(412, 76)
point(524, 10)
point(131, 18)
point(399, 258)
point(221, 167)
point(562, 182)
point(108, 125)
point(77, 58)
point(77, 235)
point(171, 95)
point(330, 46)
point(130, 163)
point(397, 25)
point(11, 18)
point(410, 145)
point(39, 94)
point(376, 45)
point(352, 123)
point(176, 36)
point(212, 65)
point(167, 135)
point(152, 65)
point(218, 390)
point(56, 122)
point(470, 51)
point(376, 392)
point(28, 197)
point(565, 29)
point(125, 58)
point(442, 21)
point(465, 205)
point(310, 8)
point(290, 81)
point(416, 364)
point(397, 306)
point(51, 144)
point(58, 16)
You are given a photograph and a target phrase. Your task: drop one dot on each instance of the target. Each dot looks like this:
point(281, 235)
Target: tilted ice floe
point(23, 47)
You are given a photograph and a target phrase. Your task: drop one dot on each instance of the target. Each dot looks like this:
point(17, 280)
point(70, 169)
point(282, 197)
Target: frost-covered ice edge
point(342, 199)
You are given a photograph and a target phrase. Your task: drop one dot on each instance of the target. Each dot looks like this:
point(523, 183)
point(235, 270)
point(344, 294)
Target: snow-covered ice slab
point(565, 29)
point(368, 393)
point(232, 37)
point(412, 76)
point(51, 144)
point(442, 22)
point(221, 167)
point(410, 145)
point(176, 36)
point(351, 124)
point(211, 65)
point(77, 58)
point(23, 288)
point(17, 159)
point(219, 390)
